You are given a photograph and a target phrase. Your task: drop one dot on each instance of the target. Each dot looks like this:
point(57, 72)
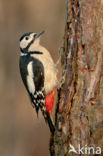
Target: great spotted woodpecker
point(38, 73)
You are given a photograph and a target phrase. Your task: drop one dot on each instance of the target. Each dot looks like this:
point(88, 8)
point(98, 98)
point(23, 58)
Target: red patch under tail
point(50, 101)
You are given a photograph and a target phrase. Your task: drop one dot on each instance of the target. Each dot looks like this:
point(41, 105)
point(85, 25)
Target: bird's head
point(30, 39)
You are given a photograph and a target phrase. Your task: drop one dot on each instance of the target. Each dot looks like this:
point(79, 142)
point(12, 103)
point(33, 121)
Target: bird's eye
point(26, 37)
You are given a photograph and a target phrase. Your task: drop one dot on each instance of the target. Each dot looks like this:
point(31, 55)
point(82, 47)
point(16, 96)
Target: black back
point(38, 71)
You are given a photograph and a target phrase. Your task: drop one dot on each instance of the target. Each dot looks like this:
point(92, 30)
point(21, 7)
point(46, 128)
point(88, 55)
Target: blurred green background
point(21, 133)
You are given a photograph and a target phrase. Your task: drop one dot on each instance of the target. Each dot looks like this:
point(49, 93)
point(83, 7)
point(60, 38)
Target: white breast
point(49, 68)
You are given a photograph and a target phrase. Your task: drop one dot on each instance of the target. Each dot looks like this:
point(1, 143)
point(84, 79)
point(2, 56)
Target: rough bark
point(79, 112)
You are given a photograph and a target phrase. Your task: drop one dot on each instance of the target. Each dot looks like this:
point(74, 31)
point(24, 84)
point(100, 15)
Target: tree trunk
point(79, 111)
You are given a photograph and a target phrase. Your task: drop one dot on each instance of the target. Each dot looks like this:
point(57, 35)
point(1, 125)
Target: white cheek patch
point(30, 76)
point(24, 43)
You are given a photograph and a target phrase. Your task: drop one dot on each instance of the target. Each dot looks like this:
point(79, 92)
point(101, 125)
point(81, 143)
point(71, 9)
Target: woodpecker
point(38, 74)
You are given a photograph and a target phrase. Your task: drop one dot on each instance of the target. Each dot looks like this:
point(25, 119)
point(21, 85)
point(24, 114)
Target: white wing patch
point(30, 82)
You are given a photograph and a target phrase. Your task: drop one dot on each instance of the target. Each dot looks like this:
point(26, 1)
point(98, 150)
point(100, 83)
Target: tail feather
point(50, 123)
point(48, 120)
point(40, 104)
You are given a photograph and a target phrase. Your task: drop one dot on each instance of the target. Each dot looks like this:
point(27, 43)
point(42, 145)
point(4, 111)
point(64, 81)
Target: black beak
point(39, 34)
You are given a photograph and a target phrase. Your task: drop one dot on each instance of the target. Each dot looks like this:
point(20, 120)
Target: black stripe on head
point(26, 34)
point(30, 43)
point(35, 52)
point(31, 52)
